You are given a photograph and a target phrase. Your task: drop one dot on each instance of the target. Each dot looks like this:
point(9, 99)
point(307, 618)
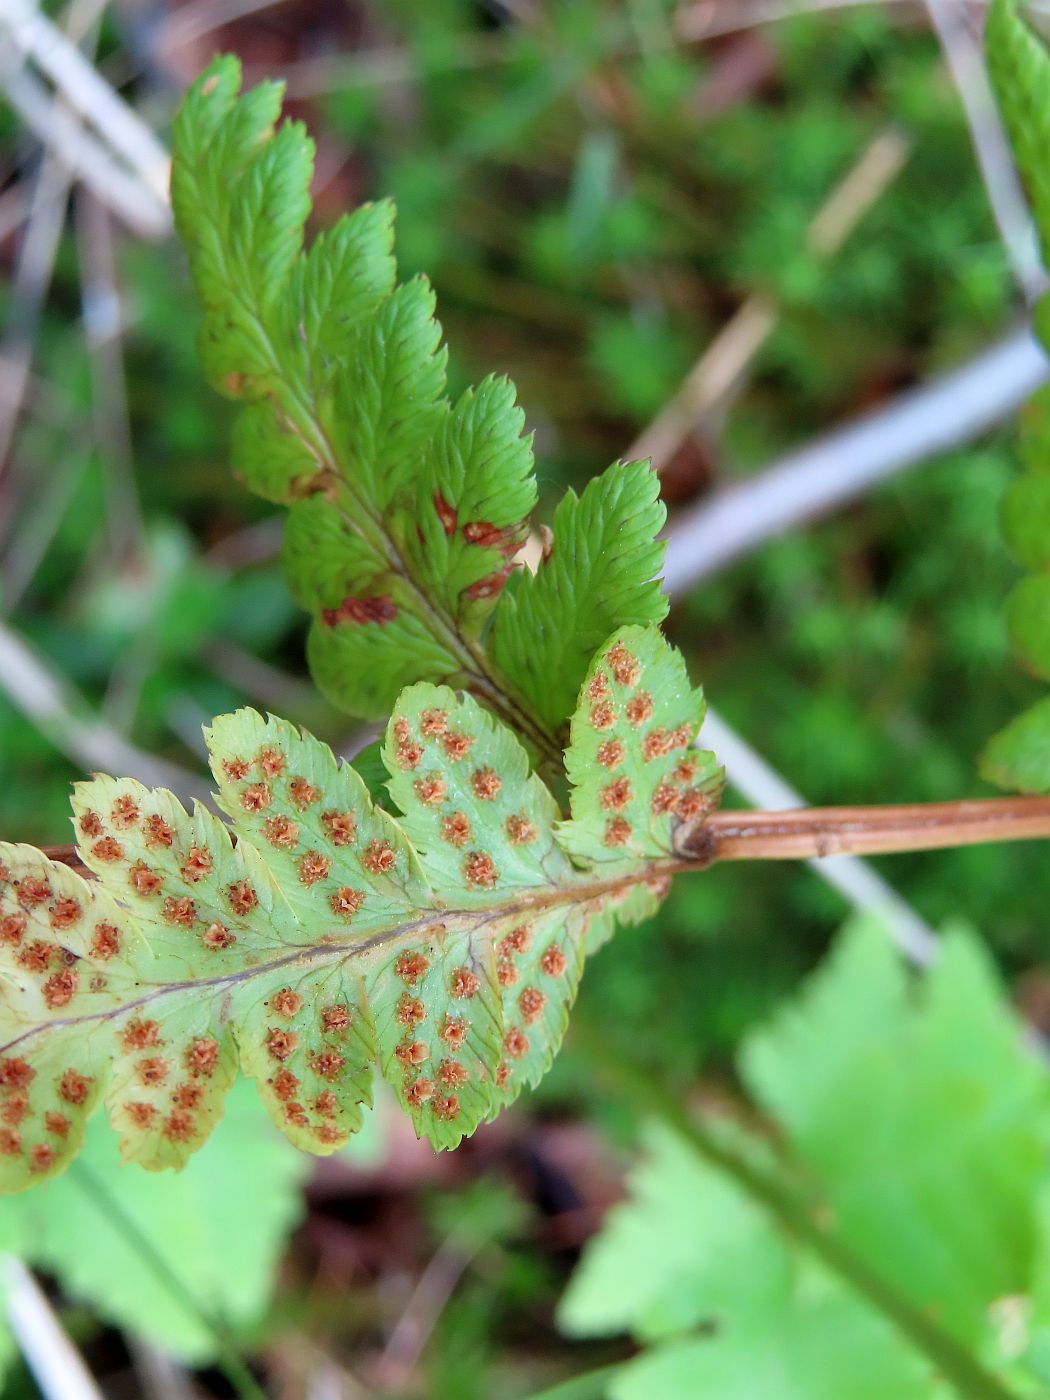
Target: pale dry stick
point(725, 361)
point(36, 254)
point(134, 202)
point(917, 425)
point(103, 325)
point(966, 64)
point(200, 18)
point(62, 716)
point(86, 91)
point(710, 19)
point(56, 1365)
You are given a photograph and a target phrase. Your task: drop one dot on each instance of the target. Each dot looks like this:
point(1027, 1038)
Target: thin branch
point(63, 716)
point(57, 1366)
point(965, 61)
point(725, 361)
point(839, 467)
point(854, 879)
point(709, 19)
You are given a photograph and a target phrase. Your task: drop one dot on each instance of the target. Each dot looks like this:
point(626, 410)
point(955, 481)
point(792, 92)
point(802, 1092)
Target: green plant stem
point(952, 1360)
point(228, 1359)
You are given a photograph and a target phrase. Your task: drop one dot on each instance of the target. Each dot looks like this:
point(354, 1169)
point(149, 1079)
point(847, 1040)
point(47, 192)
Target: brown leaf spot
point(414, 1053)
point(624, 665)
point(198, 864)
point(479, 870)
point(451, 1073)
point(295, 1113)
point(64, 913)
point(242, 897)
point(153, 1071)
point(598, 686)
point(431, 789)
point(681, 737)
point(417, 1093)
point(180, 911)
point(12, 927)
point(335, 1019)
point(284, 1085)
point(256, 798)
point(141, 1114)
point(158, 832)
point(516, 1043)
point(463, 983)
point(328, 1133)
point(41, 1158)
point(379, 858)
point(187, 1096)
point(73, 1088)
point(456, 829)
point(60, 989)
point(124, 813)
point(14, 1109)
point(379, 609)
point(326, 1104)
point(91, 824)
point(140, 1035)
point(486, 783)
point(32, 891)
point(519, 940)
point(408, 755)
point(281, 831)
point(236, 769)
point(286, 1002)
point(10, 1143)
point(217, 936)
point(457, 745)
point(280, 1043)
point(617, 832)
point(447, 514)
point(692, 804)
point(271, 762)
point(503, 1075)
point(202, 1056)
point(411, 966)
point(611, 753)
point(447, 1107)
point(655, 744)
point(433, 723)
point(106, 942)
point(36, 957)
point(640, 708)
point(346, 902)
point(665, 799)
point(506, 973)
point(491, 586)
point(553, 961)
point(454, 1031)
point(107, 849)
point(143, 880)
point(303, 793)
point(616, 796)
point(410, 1010)
point(519, 830)
point(603, 716)
point(340, 827)
point(532, 1001)
point(57, 1123)
point(179, 1126)
point(686, 770)
point(328, 1064)
point(313, 867)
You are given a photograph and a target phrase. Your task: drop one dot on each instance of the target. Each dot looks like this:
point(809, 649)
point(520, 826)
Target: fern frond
point(406, 512)
point(323, 936)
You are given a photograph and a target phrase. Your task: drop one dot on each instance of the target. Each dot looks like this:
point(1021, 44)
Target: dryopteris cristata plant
point(445, 946)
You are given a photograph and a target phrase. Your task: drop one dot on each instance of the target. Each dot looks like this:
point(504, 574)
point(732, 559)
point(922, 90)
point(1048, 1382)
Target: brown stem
point(808, 833)
point(811, 832)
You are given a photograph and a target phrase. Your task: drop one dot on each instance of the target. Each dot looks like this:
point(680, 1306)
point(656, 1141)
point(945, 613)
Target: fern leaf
point(638, 789)
point(406, 512)
point(320, 937)
point(1019, 65)
point(601, 573)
